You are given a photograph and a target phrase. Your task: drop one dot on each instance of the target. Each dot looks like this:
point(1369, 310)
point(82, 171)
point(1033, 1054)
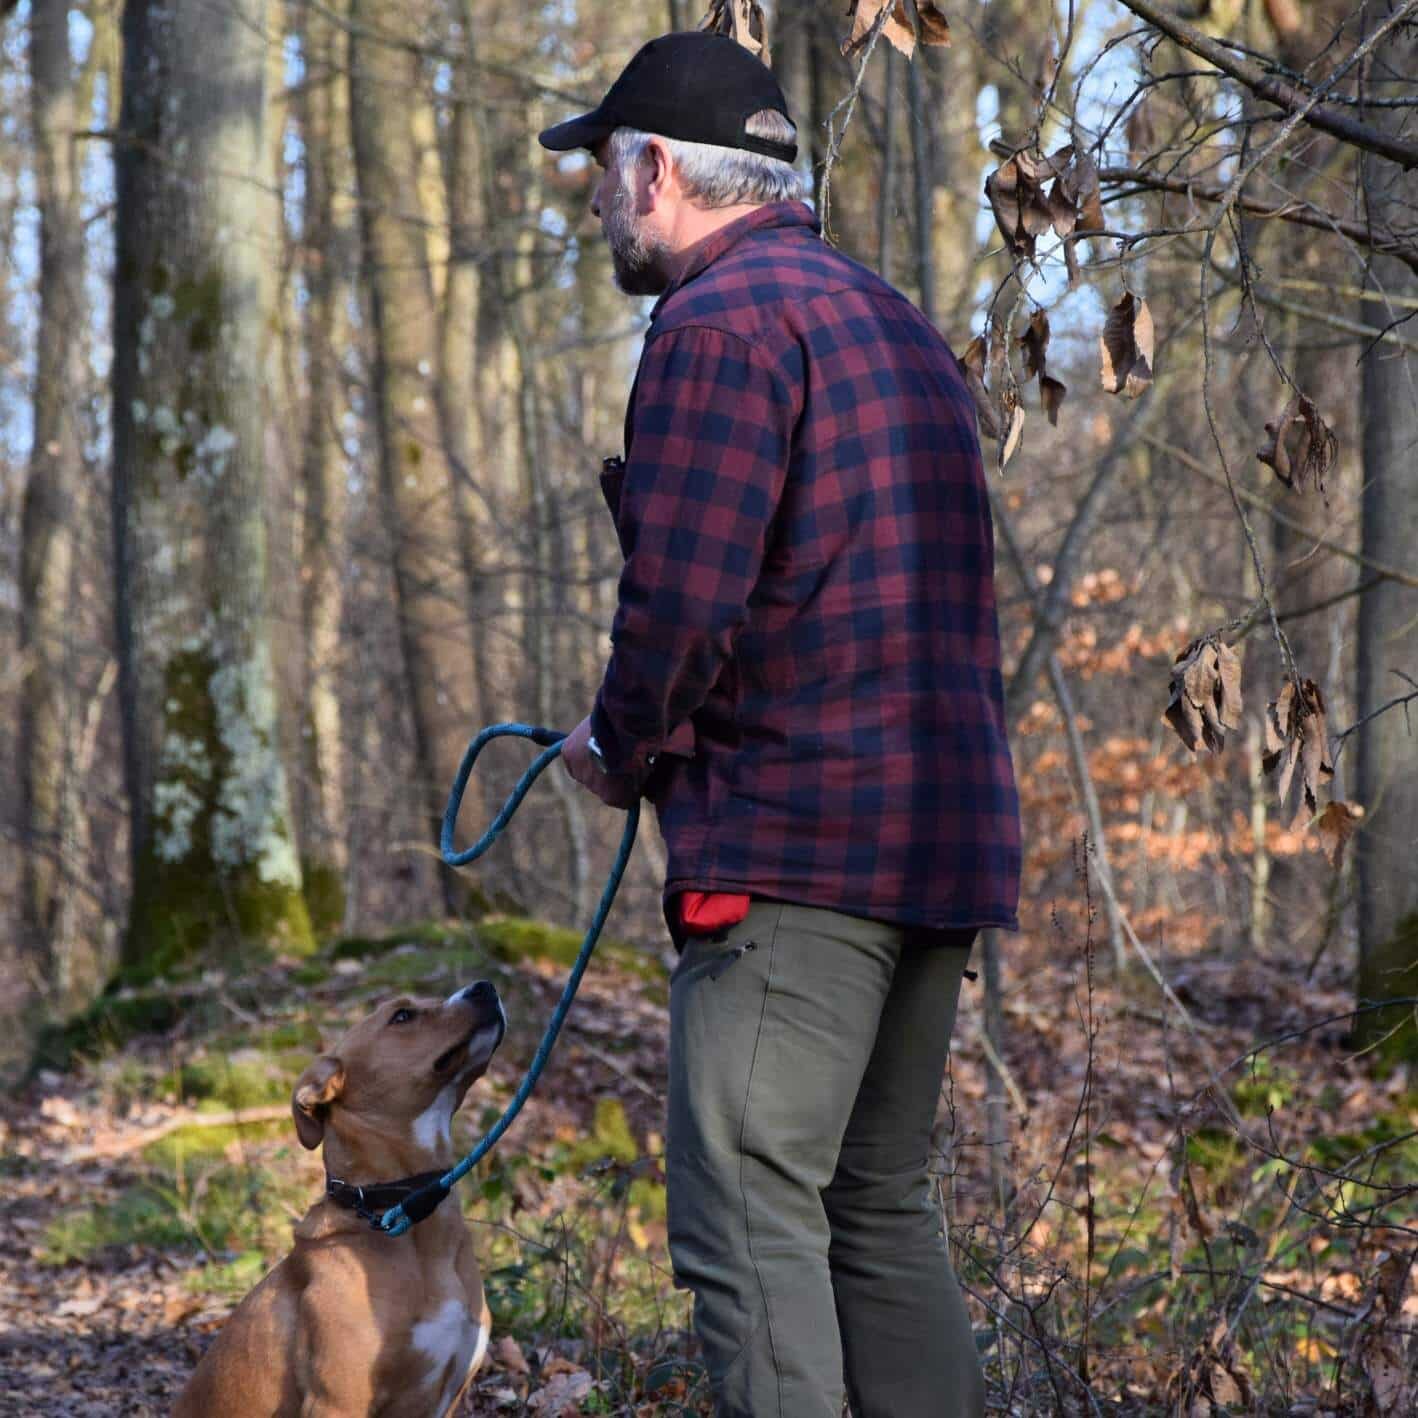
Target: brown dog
point(353, 1321)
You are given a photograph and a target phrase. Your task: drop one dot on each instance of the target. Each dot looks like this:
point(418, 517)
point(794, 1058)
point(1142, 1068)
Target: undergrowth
point(1176, 1224)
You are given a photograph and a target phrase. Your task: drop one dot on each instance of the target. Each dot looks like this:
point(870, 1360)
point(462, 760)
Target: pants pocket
point(703, 958)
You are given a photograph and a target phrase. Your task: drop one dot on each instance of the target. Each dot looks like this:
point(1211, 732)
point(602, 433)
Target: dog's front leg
point(470, 1275)
point(335, 1352)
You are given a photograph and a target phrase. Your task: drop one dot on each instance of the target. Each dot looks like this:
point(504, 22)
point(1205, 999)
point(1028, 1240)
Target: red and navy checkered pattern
point(805, 674)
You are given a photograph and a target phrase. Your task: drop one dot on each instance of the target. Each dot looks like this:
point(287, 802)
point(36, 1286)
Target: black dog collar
point(370, 1202)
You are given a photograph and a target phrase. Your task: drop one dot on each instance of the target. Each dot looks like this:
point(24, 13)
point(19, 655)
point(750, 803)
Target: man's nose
point(596, 201)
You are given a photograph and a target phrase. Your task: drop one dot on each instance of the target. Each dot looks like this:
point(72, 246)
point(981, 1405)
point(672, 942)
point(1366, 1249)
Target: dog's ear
point(315, 1090)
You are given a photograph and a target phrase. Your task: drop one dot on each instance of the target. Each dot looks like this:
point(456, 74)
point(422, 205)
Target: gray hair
point(723, 177)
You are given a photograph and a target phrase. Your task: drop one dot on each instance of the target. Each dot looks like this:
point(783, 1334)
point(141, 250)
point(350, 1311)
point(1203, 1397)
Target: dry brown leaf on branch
point(1024, 210)
point(1015, 412)
point(1017, 199)
point(1336, 825)
point(1302, 447)
point(1126, 347)
point(1076, 197)
point(1393, 1382)
point(973, 363)
point(934, 27)
point(741, 20)
point(1206, 694)
point(1141, 135)
point(1035, 341)
point(1295, 735)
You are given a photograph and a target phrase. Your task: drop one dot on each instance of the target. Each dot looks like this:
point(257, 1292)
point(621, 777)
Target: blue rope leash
point(422, 1203)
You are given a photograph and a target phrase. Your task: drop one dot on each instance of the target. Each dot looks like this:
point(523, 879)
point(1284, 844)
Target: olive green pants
point(807, 1050)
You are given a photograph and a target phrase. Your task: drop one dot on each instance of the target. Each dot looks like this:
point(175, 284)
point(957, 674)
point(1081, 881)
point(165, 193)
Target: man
point(805, 682)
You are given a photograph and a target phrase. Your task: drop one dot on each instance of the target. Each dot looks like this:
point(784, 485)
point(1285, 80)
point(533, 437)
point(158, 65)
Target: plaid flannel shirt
point(805, 667)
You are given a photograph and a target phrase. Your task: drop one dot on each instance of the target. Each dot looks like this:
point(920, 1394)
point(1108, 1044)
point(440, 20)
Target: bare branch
point(1274, 90)
point(1356, 232)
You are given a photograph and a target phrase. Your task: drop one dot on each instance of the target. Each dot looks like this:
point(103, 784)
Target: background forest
point(309, 356)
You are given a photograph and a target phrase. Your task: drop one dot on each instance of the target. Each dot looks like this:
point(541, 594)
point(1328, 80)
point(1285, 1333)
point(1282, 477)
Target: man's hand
point(581, 764)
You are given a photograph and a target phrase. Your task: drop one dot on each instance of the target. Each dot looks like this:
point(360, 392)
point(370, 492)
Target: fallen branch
point(135, 1142)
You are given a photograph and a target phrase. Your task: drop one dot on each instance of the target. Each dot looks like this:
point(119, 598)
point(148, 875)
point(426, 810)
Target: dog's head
point(404, 1069)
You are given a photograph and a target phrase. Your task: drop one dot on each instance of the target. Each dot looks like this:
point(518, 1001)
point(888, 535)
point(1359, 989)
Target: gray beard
point(638, 261)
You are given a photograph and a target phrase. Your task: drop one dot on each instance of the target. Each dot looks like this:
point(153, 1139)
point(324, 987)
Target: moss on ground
point(230, 1279)
point(234, 1082)
point(434, 933)
point(610, 1136)
point(198, 1204)
point(517, 938)
point(186, 1151)
point(109, 1023)
point(426, 970)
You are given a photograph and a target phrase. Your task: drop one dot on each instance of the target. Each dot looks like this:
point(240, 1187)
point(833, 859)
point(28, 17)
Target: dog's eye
point(401, 1016)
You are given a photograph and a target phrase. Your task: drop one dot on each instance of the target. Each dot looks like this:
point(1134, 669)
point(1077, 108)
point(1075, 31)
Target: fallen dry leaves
point(119, 1333)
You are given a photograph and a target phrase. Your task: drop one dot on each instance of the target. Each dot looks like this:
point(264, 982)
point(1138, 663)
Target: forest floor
point(1192, 1227)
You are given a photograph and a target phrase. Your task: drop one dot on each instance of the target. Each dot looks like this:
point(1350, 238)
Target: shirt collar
point(770, 215)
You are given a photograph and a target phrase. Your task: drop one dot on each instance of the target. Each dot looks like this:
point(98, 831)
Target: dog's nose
point(483, 992)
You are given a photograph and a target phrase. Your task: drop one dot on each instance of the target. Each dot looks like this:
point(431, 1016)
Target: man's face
point(638, 256)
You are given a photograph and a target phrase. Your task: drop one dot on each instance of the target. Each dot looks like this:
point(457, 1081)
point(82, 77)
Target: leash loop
point(414, 1208)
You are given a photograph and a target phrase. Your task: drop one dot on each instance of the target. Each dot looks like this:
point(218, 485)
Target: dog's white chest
point(449, 1333)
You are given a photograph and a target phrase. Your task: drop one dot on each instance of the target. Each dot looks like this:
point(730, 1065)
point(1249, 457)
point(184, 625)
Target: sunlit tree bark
point(428, 564)
point(197, 246)
point(53, 510)
point(1388, 613)
point(331, 241)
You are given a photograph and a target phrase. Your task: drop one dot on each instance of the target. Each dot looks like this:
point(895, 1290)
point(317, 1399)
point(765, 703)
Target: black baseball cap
point(696, 86)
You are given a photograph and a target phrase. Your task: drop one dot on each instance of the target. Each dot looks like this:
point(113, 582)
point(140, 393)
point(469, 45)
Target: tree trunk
point(52, 820)
point(331, 250)
point(923, 184)
point(428, 568)
point(886, 191)
point(197, 246)
point(458, 353)
point(952, 88)
point(1388, 613)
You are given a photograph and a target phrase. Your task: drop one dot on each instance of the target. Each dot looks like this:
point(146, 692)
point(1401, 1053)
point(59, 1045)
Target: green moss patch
point(108, 1023)
point(610, 1136)
point(435, 933)
point(234, 1082)
point(141, 1216)
point(231, 1279)
point(518, 938)
point(184, 899)
point(185, 1152)
point(324, 896)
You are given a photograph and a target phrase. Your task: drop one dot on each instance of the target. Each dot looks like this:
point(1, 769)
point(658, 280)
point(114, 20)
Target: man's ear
point(315, 1090)
point(658, 170)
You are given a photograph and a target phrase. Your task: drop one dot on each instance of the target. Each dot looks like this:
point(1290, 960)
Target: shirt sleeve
point(707, 458)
